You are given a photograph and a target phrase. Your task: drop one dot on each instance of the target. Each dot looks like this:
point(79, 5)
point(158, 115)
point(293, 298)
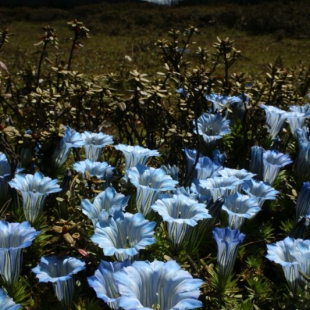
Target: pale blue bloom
point(101, 170)
point(191, 157)
point(202, 193)
point(242, 174)
point(275, 119)
point(303, 201)
point(228, 241)
point(273, 161)
point(150, 182)
point(260, 190)
point(302, 160)
point(206, 168)
point(240, 207)
point(296, 120)
point(157, 285)
point(218, 187)
point(181, 214)
point(14, 238)
point(103, 282)
point(34, 190)
point(7, 303)
point(289, 253)
point(108, 200)
point(218, 157)
point(211, 127)
point(173, 171)
point(94, 143)
point(123, 234)
point(219, 102)
point(59, 271)
point(305, 109)
point(71, 139)
point(135, 154)
point(5, 176)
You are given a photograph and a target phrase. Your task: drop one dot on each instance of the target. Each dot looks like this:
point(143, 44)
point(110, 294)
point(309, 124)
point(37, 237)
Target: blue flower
point(101, 170)
point(218, 187)
point(135, 154)
point(34, 190)
point(228, 241)
point(123, 234)
point(219, 102)
point(239, 207)
point(173, 171)
point(289, 253)
point(181, 213)
point(157, 285)
point(59, 271)
point(242, 174)
point(305, 109)
point(5, 176)
point(103, 282)
point(149, 183)
point(71, 139)
point(7, 303)
point(260, 190)
point(206, 168)
point(296, 120)
point(273, 161)
point(108, 200)
point(256, 162)
point(14, 238)
point(94, 143)
point(275, 119)
point(302, 162)
point(212, 127)
point(303, 201)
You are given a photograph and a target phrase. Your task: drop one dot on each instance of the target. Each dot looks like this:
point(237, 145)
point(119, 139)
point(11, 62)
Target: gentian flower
point(150, 182)
point(221, 186)
point(123, 234)
point(7, 303)
point(275, 119)
point(305, 109)
point(273, 161)
point(59, 271)
point(104, 284)
point(242, 174)
point(289, 253)
point(296, 120)
point(239, 207)
point(101, 170)
point(14, 238)
point(260, 190)
point(211, 127)
point(94, 143)
point(135, 154)
point(173, 171)
point(181, 213)
point(34, 190)
point(206, 168)
point(302, 160)
point(71, 139)
point(303, 201)
point(5, 176)
point(256, 162)
point(108, 200)
point(219, 102)
point(228, 241)
point(157, 285)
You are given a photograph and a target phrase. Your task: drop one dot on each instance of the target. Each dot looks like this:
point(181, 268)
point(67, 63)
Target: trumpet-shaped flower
point(228, 241)
point(275, 119)
point(302, 160)
point(104, 284)
point(94, 143)
point(296, 120)
point(59, 271)
point(181, 213)
point(290, 254)
point(14, 238)
point(108, 200)
point(212, 127)
point(256, 163)
point(303, 201)
point(305, 109)
point(157, 285)
point(273, 161)
point(34, 190)
point(7, 303)
point(135, 154)
point(239, 207)
point(206, 168)
point(5, 176)
point(123, 234)
point(149, 183)
point(260, 190)
point(221, 186)
point(71, 139)
point(102, 170)
point(242, 174)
